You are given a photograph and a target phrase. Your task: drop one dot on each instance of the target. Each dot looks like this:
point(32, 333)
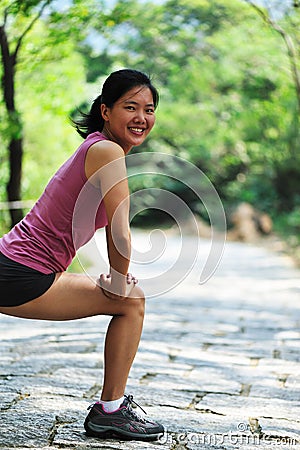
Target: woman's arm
point(105, 163)
point(118, 236)
point(118, 252)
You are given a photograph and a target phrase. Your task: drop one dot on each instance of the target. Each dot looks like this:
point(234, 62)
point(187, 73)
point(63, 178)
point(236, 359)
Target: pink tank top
point(64, 218)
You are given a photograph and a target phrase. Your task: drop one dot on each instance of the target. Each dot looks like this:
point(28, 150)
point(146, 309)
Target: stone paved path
point(218, 364)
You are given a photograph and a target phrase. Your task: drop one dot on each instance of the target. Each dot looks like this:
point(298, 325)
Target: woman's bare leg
point(76, 296)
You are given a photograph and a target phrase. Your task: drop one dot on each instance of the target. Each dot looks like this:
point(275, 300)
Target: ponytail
point(91, 122)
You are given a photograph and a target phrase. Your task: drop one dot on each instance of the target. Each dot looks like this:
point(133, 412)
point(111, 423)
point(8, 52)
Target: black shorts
point(19, 284)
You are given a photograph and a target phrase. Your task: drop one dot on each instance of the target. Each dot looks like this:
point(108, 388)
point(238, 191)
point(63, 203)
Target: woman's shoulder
point(102, 153)
point(105, 150)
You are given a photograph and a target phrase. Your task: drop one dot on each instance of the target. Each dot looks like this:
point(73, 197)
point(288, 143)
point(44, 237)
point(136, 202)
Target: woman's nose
point(140, 116)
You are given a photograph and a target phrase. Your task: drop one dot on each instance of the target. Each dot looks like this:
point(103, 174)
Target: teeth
point(138, 130)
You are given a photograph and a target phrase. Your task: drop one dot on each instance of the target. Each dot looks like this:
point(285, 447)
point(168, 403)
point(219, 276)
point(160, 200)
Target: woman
point(88, 192)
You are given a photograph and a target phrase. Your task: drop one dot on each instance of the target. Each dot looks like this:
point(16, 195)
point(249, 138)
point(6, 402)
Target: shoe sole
point(98, 431)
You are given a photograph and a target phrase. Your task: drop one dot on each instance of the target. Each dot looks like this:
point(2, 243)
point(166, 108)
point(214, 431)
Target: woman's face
point(129, 121)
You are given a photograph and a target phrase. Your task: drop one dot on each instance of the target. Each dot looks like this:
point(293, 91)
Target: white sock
point(112, 405)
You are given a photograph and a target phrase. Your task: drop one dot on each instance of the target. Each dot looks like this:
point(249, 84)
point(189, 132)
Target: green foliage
point(50, 80)
point(227, 95)
point(53, 88)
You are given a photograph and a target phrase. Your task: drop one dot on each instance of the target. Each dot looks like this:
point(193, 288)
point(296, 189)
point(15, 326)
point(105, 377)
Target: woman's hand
point(117, 292)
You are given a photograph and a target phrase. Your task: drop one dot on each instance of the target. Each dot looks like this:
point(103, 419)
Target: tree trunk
point(13, 187)
point(15, 146)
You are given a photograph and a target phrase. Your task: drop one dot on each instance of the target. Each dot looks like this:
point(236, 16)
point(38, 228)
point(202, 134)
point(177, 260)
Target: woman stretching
point(89, 191)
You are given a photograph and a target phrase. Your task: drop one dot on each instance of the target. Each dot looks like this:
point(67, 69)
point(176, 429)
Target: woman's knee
point(137, 300)
point(137, 292)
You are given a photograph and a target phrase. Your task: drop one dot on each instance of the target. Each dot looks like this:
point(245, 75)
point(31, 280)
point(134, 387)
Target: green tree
point(53, 86)
point(10, 51)
point(228, 100)
point(23, 54)
point(287, 172)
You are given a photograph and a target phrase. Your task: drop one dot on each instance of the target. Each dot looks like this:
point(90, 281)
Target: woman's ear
point(104, 112)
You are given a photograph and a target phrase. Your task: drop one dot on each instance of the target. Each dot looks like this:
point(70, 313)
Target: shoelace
point(132, 413)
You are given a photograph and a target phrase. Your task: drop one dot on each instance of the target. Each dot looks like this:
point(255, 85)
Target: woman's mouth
point(137, 130)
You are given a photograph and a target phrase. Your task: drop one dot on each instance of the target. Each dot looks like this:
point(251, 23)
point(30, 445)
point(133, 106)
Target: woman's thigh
point(74, 296)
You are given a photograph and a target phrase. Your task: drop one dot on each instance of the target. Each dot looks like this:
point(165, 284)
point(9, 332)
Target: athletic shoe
point(123, 423)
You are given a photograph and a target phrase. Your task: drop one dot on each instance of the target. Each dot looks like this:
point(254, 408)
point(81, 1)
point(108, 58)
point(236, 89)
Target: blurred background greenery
point(228, 76)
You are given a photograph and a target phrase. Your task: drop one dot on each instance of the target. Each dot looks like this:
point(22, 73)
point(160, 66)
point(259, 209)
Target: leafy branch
point(29, 27)
point(292, 53)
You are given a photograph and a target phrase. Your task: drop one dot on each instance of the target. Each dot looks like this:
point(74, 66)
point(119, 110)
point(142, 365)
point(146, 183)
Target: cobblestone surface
point(218, 364)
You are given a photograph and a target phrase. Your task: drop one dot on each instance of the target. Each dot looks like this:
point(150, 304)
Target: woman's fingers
point(105, 282)
point(102, 278)
point(131, 279)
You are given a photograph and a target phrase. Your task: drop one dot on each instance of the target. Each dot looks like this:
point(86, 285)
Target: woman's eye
point(150, 111)
point(130, 108)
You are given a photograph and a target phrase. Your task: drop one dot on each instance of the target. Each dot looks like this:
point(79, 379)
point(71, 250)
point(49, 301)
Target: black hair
point(116, 85)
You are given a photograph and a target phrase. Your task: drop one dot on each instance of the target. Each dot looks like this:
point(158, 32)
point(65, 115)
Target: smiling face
point(129, 121)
